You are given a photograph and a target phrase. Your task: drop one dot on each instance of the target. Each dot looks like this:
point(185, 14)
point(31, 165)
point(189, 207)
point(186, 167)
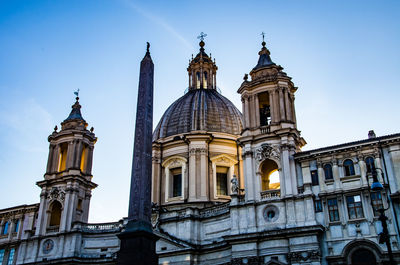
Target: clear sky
point(343, 56)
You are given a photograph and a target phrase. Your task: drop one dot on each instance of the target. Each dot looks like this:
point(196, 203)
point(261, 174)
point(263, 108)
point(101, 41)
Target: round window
point(271, 213)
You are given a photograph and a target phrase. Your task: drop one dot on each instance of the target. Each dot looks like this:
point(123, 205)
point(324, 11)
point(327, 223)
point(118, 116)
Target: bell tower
point(270, 136)
point(67, 184)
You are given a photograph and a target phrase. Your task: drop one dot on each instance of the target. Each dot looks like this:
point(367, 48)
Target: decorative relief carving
point(198, 151)
point(235, 185)
point(299, 257)
point(56, 194)
point(267, 151)
point(247, 153)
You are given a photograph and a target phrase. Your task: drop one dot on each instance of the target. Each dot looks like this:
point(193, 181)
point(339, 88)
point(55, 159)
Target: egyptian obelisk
point(137, 239)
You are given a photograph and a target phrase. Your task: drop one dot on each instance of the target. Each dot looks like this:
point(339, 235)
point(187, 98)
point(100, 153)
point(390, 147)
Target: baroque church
point(228, 187)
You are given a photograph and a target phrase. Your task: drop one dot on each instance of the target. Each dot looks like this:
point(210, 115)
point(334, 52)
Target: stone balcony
point(267, 195)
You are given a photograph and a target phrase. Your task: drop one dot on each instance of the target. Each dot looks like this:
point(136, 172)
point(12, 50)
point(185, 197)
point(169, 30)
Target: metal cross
point(76, 93)
point(263, 34)
point(202, 36)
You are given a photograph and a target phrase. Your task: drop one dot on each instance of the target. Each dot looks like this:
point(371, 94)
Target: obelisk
point(137, 239)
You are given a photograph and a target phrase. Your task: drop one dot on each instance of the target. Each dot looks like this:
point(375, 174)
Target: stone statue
point(235, 185)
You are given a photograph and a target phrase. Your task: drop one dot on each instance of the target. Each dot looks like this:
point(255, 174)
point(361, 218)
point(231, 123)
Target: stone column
point(42, 216)
point(287, 105)
point(203, 173)
point(248, 169)
point(252, 111)
point(88, 169)
point(321, 177)
point(305, 169)
point(78, 157)
point(363, 171)
point(192, 175)
point(56, 158)
point(276, 106)
point(336, 175)
point(50, 159)
point(271, 106)
point(257, 110)
point(293, 109)
point(282, 105)
point(286, 170)
point(246, 113)
point(70, 155)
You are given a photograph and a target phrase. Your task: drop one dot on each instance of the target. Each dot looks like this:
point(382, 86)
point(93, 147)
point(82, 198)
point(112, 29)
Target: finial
point(246, 76)
point(202, 36)
point(148, 46)
point(263, 35)
point(77, 94)
point(91, 129)
point(55, 128)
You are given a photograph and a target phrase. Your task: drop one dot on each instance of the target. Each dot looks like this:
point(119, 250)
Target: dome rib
point(200, 109)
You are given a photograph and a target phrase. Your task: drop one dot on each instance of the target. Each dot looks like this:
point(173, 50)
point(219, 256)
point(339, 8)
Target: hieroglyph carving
point(267, 151)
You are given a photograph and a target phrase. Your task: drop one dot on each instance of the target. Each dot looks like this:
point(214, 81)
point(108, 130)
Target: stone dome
point(200, 110)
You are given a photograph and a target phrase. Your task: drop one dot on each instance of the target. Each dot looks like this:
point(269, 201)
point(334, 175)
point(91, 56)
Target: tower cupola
point(202, 69)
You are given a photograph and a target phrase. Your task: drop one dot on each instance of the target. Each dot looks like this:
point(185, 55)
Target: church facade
point(227, 187)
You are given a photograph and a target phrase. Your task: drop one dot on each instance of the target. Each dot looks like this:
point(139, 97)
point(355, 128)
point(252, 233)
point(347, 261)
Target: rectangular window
point(333, 210)
point(11, 256)
point(376, 198)
point(222, 181)
point(177, 190)
point(354, 207)
point(5, 228)
point(16, 226)
point(1, 255)
point(318, 206)
point(176, 182)
point(314, 177)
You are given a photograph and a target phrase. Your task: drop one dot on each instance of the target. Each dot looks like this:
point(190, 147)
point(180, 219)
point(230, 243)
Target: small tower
point(67, 184)
point(270, 136)
point(202, 70)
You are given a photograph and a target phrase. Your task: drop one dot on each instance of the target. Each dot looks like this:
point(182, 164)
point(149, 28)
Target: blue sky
point(343, 56)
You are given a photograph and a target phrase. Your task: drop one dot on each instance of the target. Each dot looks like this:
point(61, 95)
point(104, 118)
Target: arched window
point(198, 80)
point(328, 171)
point(270, 176)
point(205, 80)
point(348, 168)
point(363, 256)
point(370, 164)
point(55, 213)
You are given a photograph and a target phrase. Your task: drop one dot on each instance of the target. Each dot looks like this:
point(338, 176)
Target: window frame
point(369, 166)
point(314, 177)
point(356, 205)
point(333, 209)
point(174, 162)
point(349, 169)
point(223, 161)
point(318, 206)
point(325, 168)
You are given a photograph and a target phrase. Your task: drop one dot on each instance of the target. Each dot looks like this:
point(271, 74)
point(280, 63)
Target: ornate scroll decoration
point(299, 257)
point(267, 151)
point(56, 194)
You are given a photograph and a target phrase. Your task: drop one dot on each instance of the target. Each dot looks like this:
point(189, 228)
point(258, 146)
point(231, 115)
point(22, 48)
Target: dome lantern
point(202, 70)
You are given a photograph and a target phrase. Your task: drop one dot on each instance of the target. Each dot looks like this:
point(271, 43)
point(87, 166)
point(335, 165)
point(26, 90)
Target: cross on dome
point(202, 36)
